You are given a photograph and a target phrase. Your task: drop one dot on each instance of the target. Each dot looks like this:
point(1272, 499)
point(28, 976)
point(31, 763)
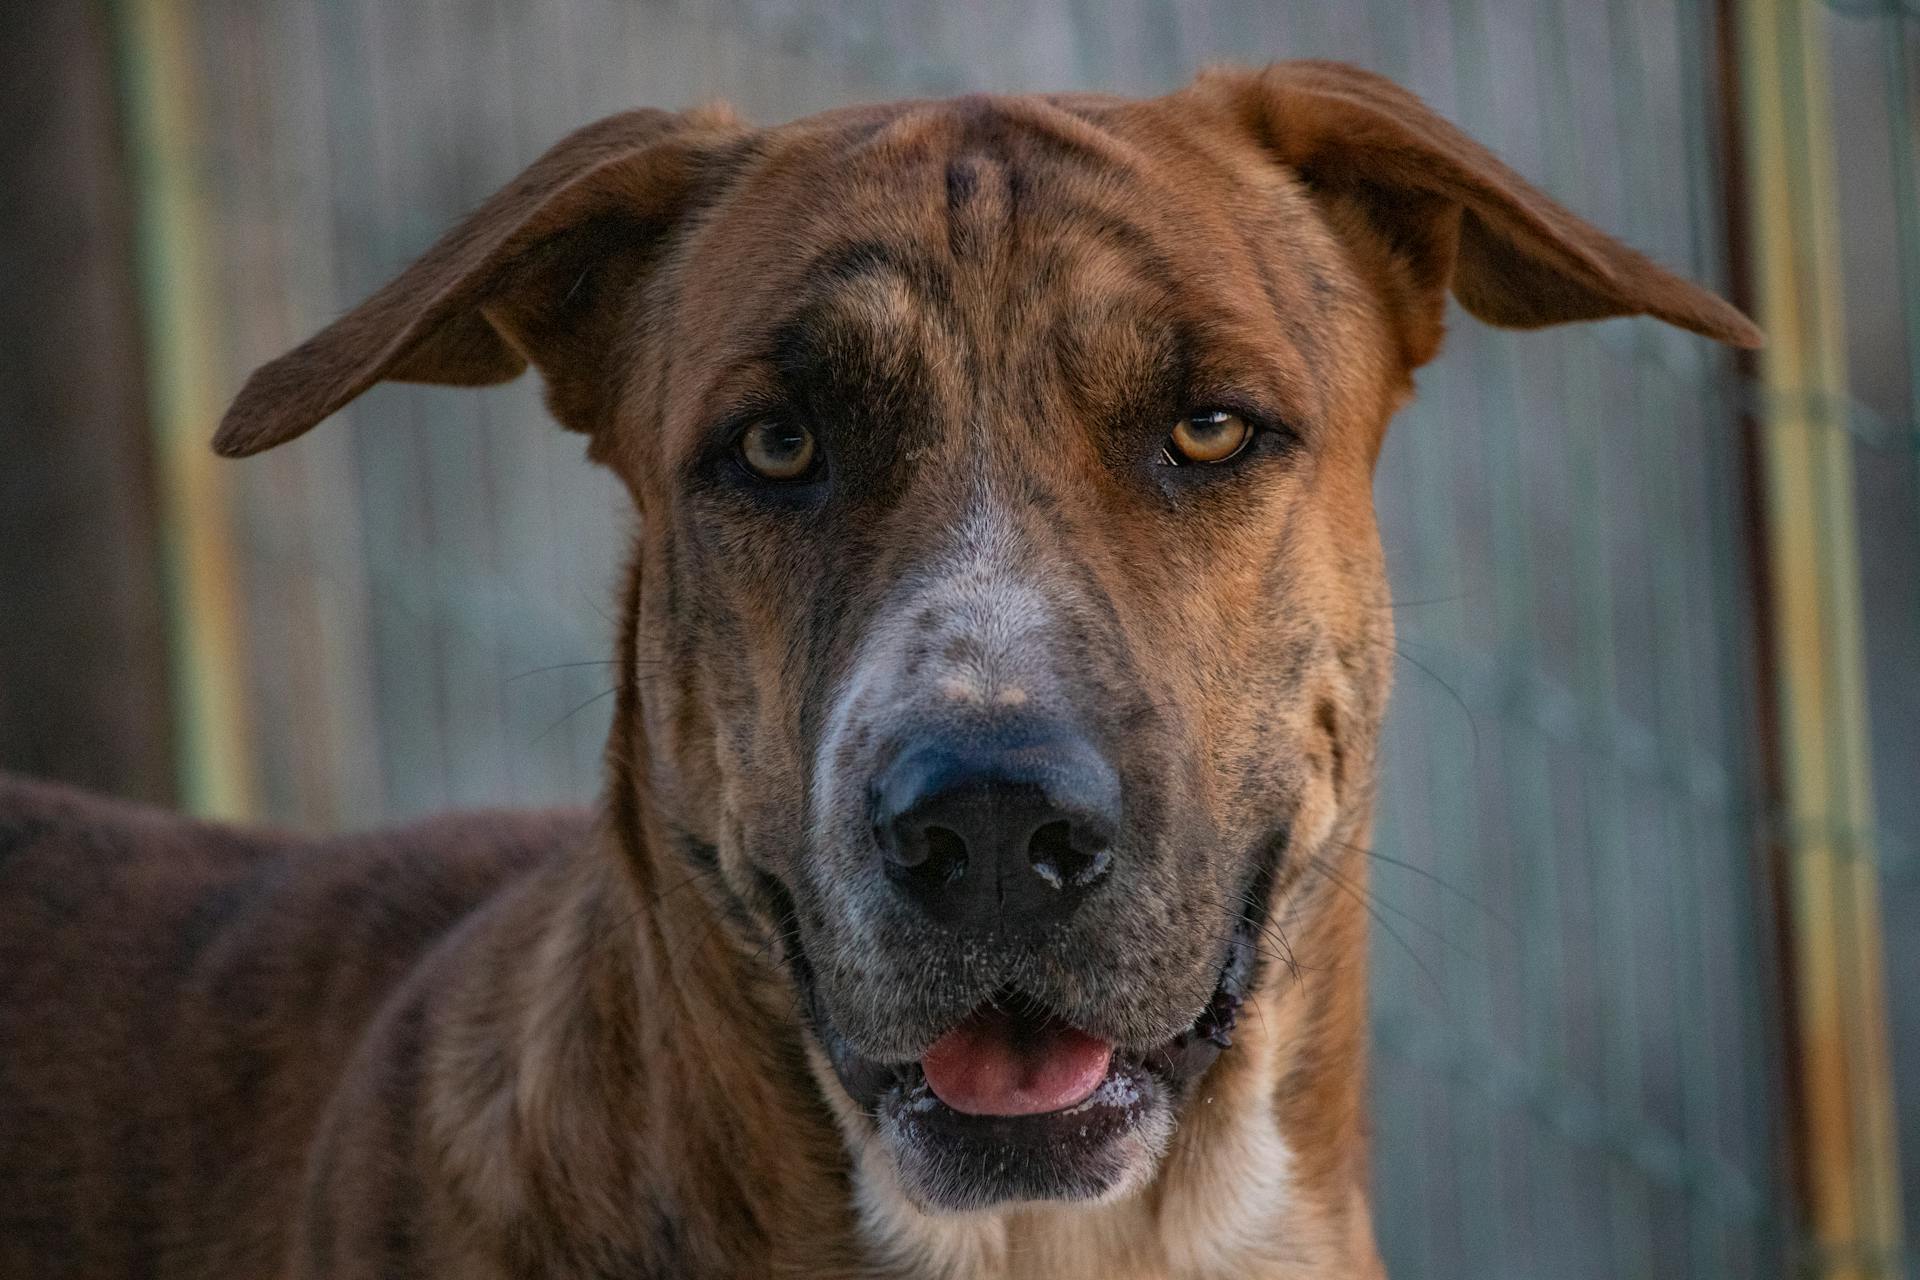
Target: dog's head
point(1012, 627)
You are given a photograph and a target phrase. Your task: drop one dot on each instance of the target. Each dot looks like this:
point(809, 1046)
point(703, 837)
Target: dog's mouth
point(1015, 1103)
point(1014, 1059)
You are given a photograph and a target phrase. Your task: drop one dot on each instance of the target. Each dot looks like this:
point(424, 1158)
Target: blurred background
point(1647, 952)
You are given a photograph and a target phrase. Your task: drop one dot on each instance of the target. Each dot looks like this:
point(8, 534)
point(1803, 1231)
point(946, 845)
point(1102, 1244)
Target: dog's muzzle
point(996, 838)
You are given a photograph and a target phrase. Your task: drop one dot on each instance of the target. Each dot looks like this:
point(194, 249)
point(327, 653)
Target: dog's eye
point(1210, 435)
point(776, 450)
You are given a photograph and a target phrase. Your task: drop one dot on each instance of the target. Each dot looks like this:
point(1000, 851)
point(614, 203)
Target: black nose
point(1010, 828)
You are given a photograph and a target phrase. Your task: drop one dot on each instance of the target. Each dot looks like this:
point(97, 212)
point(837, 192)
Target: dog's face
point(1013, 556)
point(1011, 631)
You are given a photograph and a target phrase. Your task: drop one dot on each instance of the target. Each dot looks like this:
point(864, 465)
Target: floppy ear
point(533, 276)
point(1449, 213)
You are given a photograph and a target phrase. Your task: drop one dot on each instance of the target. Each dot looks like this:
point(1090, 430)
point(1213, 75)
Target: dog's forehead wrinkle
point(970, 197)
point(982, 202)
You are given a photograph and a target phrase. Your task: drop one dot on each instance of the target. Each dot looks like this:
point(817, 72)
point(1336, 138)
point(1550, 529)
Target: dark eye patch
point(831, 369)
point(848, 364)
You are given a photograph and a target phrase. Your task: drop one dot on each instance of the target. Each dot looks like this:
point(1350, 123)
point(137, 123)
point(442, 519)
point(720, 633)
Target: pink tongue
point(995, 1065)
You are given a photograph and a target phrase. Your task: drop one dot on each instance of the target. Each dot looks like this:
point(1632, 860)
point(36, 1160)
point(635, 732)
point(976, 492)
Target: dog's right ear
point(533, 276)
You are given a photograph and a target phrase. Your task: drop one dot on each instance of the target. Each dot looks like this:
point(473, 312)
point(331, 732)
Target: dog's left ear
point(1448, 213)
point(534, 276)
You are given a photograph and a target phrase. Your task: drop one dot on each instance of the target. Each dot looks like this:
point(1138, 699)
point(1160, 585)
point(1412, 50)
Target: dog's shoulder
point(120, 898)
point(69, 857)
point(202, 969)
point(33, 812)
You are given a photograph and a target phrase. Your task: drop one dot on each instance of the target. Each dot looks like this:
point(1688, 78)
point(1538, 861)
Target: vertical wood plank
point(163, 130)
point(1845, 1112)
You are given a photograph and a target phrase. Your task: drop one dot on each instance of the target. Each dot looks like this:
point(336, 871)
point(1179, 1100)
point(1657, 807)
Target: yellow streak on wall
point(1847, 1128)
point(162, 121)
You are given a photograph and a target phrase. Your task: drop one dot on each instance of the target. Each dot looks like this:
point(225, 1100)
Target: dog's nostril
point(928, 856)
point(946, 854)
point(1050, 849)
point(1065, 857)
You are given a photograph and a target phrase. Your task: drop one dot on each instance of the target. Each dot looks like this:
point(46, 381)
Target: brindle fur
point(555, 1046)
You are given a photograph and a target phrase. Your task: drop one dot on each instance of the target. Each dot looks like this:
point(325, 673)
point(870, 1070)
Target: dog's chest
point(1215, 1214)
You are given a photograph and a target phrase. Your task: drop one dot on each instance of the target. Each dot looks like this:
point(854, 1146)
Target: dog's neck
point(616, 1092)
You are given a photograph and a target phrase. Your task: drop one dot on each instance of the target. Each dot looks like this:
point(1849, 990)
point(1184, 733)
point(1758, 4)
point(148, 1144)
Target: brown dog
point(1004, 652)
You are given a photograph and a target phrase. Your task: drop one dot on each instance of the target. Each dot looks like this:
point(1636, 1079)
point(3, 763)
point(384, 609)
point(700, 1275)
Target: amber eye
point(775, 450)
point(1211, 435)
